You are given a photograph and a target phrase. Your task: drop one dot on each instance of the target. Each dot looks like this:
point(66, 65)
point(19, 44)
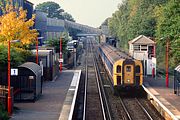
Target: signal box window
point(118, 69)
point(128, 69)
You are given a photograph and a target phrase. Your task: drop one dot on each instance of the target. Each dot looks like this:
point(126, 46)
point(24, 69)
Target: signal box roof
point(141, 40)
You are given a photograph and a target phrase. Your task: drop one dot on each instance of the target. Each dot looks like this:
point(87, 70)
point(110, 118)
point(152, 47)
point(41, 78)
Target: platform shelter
point(27, 84)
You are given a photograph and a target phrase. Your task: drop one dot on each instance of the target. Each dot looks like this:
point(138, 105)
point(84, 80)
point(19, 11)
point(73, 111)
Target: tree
point(67, 16)
point(54, 10)
point(168, 27)
point(15, 26)
point(56, 42)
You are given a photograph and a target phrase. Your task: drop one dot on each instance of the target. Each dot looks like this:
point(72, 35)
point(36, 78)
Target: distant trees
point(153, 18)
point(56, 42)
point(54, 10)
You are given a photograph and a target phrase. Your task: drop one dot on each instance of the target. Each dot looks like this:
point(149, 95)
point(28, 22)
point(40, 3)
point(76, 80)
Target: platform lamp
point(167, 59)
point(37, 42)
point(167, 63)
point(60, 54)
point(9, 76)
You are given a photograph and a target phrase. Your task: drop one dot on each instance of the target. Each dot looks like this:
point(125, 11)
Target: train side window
point(137, 69)
point(128, 69)
point(118, 69)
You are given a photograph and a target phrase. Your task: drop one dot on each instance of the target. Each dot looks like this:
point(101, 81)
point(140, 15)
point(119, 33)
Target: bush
point(18, 56)
point(3, 113)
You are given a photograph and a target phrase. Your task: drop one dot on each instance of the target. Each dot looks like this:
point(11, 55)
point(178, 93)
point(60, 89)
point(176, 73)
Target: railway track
point(134, 109)
point(93, 100)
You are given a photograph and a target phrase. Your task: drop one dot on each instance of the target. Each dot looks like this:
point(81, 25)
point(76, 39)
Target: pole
point(74, 57)
point(9, 81)
point(60, 55)
point(167, 59)
point(37, 51)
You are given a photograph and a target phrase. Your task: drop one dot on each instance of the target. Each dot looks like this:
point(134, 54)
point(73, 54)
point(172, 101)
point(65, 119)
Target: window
point(143, 47)
point(136, 47)
point(128, 69)
point(118, 69)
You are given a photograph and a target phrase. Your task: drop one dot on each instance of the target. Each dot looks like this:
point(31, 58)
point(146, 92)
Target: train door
point(129, 74)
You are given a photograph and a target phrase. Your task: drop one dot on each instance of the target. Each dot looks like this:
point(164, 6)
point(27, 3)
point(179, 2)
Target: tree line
point(158, 19)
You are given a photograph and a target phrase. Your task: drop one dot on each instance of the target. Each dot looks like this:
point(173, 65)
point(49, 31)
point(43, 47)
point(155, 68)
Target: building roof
point(29, 2)
point(141, 40)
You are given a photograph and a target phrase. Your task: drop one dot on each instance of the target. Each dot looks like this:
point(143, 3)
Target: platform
point(69, 103)
point(163, 98)
point(50, 104)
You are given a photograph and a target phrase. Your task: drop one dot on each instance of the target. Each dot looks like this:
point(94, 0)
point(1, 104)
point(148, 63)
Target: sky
point(87, 12)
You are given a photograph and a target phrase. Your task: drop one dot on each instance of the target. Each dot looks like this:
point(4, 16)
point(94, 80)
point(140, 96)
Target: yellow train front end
point(127, 73)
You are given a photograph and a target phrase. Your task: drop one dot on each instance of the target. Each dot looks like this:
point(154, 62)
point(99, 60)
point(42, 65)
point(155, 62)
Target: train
point(124, 71)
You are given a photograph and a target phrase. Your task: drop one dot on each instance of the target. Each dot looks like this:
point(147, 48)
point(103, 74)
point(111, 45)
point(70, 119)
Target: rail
point(92, 86)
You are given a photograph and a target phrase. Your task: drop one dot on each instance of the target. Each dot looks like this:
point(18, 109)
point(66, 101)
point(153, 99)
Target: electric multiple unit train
point(123, 69)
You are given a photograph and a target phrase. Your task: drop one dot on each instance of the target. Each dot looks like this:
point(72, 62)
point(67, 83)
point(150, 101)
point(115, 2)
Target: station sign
point(14, 72)
point(61, 60)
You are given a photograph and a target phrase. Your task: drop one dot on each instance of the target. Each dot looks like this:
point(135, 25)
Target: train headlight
point(128, 80)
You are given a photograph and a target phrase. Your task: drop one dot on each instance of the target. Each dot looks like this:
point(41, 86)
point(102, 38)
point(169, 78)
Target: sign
point(61, 60)
point(14, 72)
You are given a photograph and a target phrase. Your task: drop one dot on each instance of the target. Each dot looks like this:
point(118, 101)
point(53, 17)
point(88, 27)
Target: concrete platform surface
point(164, 96)
point(49, 105)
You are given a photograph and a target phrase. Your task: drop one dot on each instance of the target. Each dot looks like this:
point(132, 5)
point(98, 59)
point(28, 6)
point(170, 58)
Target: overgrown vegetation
point(56, 42)
point(3, 113)
point(18, 56)
point(159, 19)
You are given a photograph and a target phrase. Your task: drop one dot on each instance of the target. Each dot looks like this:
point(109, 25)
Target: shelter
point(46, 56)
point(177, 80)
point(27, 84)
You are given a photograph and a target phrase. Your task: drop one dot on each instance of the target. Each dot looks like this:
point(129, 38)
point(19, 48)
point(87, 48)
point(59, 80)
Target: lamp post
point(37, 50)
point(9, 81)
point(9, 77)
point(60, 54)
point(37, 42)
point(167, 64)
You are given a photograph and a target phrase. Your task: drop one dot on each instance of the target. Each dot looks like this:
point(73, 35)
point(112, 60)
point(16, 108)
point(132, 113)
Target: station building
point(48, 28)
point(25, 4)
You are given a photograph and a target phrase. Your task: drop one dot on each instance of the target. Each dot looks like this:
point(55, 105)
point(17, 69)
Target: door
point(128, 74)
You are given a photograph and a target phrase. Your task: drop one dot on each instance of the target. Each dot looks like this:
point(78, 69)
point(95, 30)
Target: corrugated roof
point(35, 68)
point(141, 40)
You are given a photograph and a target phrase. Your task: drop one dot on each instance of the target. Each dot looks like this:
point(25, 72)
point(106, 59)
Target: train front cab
point(127, 73)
